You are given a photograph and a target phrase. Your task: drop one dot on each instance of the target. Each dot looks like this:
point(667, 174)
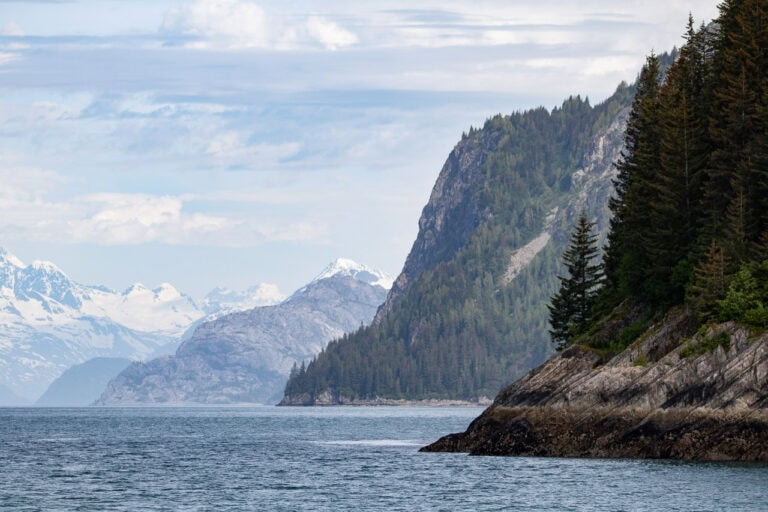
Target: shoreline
point(387, 402)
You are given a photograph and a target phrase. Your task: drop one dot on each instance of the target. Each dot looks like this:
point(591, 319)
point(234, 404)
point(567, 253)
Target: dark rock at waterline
point(664, 397)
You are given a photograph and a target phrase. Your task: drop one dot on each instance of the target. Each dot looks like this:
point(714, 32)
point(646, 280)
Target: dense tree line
point(691, 194)
point(460, 330)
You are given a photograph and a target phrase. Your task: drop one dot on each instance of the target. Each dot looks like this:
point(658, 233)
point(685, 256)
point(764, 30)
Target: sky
point(225, 143)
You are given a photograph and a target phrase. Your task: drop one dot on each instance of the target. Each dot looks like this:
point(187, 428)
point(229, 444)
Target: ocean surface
point(334, 459)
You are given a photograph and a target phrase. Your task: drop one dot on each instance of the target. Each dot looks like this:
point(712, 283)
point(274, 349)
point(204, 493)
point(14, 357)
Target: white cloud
point(28, 213)
point(6, 57)
point(139, 218)
point(231, 23)
point(229, 148)
point(11, 29)
point(329, 34)
point(240, 24)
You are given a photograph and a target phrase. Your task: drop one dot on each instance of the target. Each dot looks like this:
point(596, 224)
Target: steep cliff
point(468, 315)
point(672, 394)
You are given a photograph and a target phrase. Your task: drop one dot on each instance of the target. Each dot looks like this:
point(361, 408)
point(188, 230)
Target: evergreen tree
point(710, 283)
point(674, 212)
point(737, 184)
point(626, 256)
point(571, 308)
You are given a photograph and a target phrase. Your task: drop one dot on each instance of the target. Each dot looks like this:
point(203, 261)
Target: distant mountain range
point(246, 357)
point(48, 322)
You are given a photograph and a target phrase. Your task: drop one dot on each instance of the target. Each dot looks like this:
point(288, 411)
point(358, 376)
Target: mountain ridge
point(466, 315)
point(49, 322)
point(246, 357)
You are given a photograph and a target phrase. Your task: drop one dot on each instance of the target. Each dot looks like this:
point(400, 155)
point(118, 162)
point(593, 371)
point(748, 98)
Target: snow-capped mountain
point(48, 322)
point(223, 300)
point(247, 356)
point(343, 267)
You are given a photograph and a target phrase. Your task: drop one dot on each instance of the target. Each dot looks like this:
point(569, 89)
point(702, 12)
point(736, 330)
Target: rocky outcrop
point(670, 395)
point(450, 216)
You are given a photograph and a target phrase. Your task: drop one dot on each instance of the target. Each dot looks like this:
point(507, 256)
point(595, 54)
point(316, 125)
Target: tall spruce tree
point(684, 150)
point(626, 258)
point(737, 185)
point(571, 307)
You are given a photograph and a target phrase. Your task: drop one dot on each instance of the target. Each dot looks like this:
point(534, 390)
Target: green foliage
point(461, 330)
point(710, 282)
point(707, 344)
point(747, 296)
point(629, 334)
point(691, 201)
point(640, 361)
point(570, 309)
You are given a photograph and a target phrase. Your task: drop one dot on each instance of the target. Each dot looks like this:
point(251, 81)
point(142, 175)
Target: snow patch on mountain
point(222, 301)
point(48, 322)
point(347, 268)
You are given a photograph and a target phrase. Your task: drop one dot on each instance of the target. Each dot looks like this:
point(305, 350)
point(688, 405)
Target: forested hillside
point(468, 315)
point(670, 359)
point(690, 213)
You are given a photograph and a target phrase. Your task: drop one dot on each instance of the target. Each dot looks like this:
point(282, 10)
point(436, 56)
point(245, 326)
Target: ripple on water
point(331, 459)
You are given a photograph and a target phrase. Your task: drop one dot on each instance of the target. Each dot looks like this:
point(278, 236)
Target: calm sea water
point(335, 459)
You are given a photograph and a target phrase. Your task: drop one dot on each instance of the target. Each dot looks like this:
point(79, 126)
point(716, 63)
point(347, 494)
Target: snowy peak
point(43, 279)
point(166, 293)
point(46, 267)
point(347, 268)
point(10, 266)
point(223, 300)
point(9, 260)
point(135, 289)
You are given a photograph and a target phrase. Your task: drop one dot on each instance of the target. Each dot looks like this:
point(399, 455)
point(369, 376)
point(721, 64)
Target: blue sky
point(231, 142)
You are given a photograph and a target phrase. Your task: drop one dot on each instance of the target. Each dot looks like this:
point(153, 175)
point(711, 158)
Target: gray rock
point(246, 357)
point(647, 402)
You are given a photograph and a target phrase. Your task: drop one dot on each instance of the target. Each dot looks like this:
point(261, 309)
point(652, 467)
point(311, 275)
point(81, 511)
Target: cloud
point(329, 34)
point(29, 212)
point(11, 29)
point(139, 218)
point(230, 23)
point(230, 150)
point(240, 24)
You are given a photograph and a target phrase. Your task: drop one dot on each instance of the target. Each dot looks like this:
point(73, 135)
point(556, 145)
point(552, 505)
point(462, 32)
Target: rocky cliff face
point(670, 395)
point(450, 217)
point(246, 357)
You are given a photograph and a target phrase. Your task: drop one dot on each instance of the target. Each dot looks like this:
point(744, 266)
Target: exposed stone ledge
point(651, 401)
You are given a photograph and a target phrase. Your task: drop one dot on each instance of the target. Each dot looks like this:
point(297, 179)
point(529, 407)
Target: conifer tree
point(736, 181)
point(626, 258)
point(684, 150)
point(571, 308)
point(710, 282)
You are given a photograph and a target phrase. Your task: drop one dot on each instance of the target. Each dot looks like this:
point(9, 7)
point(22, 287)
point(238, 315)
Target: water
point(335, 459)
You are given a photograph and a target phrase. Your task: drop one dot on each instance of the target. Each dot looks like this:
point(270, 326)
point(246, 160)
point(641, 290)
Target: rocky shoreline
point(326, 400)
point(667, 396)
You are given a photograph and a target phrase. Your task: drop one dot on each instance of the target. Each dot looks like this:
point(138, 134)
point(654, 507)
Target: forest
point(461, 330)
point(690, 209)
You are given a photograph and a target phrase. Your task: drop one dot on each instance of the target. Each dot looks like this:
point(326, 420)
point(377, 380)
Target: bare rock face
point(449, 218)
point(670, 395)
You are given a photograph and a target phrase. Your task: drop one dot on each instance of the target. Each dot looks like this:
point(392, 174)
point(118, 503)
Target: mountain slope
point(246, 357)
point(468, 312)
point(81, 384)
